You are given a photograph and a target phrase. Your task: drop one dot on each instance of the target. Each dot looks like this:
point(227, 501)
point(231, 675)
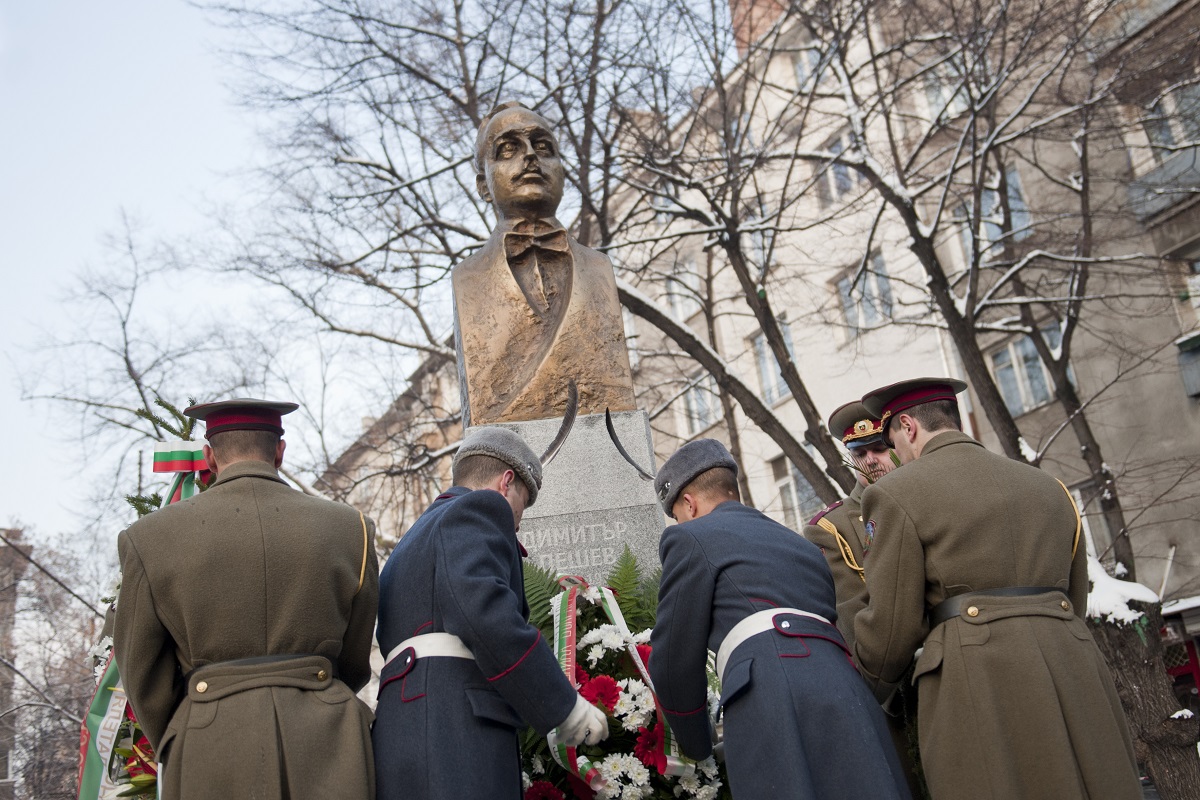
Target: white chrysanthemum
point(689, 784)
point(525, 781)
point(637, 772)
point(605, 634)
point(102, 647)
point(706, 793)
point(642, 637)
point(594, 654)
point(592, 594)
point(612, 638)
point(538, 765)
point(635, 707)
point(636, 791)
point(708, 767)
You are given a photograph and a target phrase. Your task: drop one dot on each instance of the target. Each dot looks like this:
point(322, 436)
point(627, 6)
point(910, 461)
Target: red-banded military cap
point(855, 425)
point(891, 400)
point(242, 414)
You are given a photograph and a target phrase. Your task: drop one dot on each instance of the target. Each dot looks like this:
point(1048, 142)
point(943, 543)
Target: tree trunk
point(1164, 745)
point(814, 434)
point(750, 402)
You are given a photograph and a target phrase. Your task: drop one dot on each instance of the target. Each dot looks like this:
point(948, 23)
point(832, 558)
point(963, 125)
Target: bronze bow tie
point(518, 245)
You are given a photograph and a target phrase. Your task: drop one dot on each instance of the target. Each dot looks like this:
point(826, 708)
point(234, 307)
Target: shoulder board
point(823, 512)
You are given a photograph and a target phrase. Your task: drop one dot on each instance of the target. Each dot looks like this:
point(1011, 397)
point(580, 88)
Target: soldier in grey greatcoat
point(761, 597)
point(841, 534)
point(977, 560)
point(464, 665)
point(244, 623)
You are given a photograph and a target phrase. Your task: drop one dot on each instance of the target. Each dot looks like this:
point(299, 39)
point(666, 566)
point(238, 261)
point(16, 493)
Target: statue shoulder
point(478, 262)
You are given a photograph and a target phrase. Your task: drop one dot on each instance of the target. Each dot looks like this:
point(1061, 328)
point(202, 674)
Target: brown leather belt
point(951, 607)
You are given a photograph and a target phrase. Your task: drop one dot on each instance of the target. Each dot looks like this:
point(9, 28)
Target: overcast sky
point(104, 107)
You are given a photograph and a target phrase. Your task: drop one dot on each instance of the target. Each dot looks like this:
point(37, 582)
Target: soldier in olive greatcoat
point(838, 530)
point(465, 668)
point(750, 590)
point(244, 623)
point(977, 560)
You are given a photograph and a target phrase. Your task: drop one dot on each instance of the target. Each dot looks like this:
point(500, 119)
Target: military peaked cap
point(891, 400)
point(686, 465)
point(855, 425)
point(242, 414)
point(507, 446)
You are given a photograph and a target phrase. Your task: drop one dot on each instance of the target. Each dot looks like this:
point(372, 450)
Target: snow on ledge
point(1109, 598)
point(1182, 713)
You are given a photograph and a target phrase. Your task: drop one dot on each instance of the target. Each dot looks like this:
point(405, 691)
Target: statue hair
point(481, 135)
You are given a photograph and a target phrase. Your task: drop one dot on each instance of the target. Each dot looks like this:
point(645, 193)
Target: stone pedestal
point(592, 503)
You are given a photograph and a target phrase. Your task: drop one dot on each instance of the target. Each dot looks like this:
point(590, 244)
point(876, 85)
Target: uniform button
point(973, 611)
point(321, 675)
point(860, 519)
point(1066, 606)
point(202, 687)
point(785, 624)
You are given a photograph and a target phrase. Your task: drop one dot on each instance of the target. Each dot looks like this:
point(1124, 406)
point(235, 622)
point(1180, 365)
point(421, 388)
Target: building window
point(769, 374)
point(946, 91)
point(796, 495)
point(837, 179)
point(683, 290)
point(807, 64)
point(664, 199)
point(701, 404)
point(1020, 374)
point(1173, 120)
point(991, 223)
point(762, 239)
point(867, 302)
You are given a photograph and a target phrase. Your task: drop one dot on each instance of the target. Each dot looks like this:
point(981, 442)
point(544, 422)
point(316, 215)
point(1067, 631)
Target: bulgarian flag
point(101, 733)
point(186, 460)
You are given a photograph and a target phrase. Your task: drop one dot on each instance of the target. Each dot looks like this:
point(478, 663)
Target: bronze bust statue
point(533, 308)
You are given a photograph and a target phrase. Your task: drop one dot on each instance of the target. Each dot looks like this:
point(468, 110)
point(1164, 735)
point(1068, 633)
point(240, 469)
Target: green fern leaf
point(540, 587)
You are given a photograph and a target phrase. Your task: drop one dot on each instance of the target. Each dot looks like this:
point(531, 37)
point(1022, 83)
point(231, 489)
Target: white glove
point(585, 724)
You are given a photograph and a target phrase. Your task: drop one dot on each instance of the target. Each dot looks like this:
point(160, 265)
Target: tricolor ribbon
point(563, 611)
point(109, 706)
point(187, 460)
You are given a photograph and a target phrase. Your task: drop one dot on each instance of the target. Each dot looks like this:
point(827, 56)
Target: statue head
point(517, 164)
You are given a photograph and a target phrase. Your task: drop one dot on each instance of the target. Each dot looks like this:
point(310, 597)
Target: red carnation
point(649, 748)
point(602, 689)
point(644, 654)
point(580, 789)
point(581, 676)
point(543, 790)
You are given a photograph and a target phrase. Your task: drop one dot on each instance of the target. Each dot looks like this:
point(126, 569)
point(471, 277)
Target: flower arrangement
point(608, 661)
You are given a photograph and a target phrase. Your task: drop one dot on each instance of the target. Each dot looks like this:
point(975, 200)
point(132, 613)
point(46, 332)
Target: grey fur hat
point(687, 463)
point(509, 447)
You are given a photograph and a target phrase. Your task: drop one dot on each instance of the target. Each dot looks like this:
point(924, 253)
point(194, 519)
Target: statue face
point(522, 173)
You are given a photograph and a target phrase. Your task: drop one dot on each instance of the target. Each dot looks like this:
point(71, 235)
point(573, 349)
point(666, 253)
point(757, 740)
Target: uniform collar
point(947, 438)
point(459, 491)
point(857, 492)
point(248, 469)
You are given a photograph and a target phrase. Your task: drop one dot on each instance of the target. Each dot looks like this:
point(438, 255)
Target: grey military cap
point(687, 463)
point(510, 448)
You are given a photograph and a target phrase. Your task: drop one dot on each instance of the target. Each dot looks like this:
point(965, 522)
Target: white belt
point(753, 625)
point(432, 644)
